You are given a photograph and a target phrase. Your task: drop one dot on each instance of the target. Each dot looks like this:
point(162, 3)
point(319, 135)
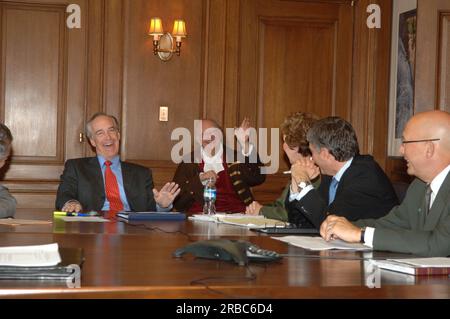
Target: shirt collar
point(341, 172)
point(436, 183)
point(216, 159)
point(115, 160)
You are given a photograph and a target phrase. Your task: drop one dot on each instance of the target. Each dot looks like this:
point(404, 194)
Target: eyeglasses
point(418, 141)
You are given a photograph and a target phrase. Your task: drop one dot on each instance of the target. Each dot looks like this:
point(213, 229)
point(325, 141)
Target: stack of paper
point(42, 263)
point(30, 256)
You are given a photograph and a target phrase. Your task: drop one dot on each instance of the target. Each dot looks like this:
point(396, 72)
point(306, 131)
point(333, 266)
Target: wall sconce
point(163, 41)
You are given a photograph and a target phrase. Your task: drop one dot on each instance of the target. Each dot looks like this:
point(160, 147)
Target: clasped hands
point(304, 169)
point(208, 175)
point(336, 227)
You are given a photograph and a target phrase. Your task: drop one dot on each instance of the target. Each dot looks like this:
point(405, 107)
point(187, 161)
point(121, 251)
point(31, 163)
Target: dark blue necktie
point(332, 192)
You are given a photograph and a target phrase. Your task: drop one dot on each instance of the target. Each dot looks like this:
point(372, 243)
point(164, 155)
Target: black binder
point(152, 216)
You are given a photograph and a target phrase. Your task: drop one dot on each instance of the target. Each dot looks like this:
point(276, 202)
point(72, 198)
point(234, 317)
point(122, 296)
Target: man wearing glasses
point(104, 182)
point(420, 225)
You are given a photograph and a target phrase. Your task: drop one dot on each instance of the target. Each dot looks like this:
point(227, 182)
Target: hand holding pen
point(72, 206)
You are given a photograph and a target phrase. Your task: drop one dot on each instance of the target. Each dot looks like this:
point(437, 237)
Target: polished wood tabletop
point(117, 226)
point(124, 261)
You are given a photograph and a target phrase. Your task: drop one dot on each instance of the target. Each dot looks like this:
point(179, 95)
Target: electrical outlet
point(163, 113)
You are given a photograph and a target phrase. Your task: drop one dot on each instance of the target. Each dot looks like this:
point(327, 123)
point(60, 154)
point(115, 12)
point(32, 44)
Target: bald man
point(420, 225)
point(232, 179)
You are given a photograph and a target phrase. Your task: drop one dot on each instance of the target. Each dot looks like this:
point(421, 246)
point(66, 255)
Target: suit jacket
point(82, 180)
point(243, 176)
point(277, 209)
point(7, 203)
point(408, 229)
point(364, 191)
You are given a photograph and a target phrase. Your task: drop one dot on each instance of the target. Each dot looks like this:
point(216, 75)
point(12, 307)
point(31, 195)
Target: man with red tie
point(105, 182)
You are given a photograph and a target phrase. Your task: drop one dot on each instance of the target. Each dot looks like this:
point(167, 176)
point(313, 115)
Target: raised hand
point(166, 195)
point(242, 133)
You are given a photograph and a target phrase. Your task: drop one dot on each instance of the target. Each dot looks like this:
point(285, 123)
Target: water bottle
point(209, 197)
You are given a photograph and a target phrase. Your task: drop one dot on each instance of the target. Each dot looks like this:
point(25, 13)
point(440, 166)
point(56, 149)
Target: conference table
point(135, 260)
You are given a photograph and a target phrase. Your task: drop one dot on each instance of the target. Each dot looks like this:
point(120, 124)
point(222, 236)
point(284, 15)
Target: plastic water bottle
point(209, 197)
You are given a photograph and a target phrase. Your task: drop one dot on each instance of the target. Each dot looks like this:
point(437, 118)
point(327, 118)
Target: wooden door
point(42, 83)
point(295, 56)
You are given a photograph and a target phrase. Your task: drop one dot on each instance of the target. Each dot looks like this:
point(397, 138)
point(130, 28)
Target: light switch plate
point(163, 113)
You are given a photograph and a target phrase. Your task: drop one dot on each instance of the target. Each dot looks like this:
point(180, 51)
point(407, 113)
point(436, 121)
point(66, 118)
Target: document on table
point(318, 243)
point(84, 219)
point(30, 256)
point(242, 220)
point(251, 221)
point(20, 222)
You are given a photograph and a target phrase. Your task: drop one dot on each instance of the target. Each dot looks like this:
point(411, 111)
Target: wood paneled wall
point(432, 68)
point(42, 85)
point(258, 58)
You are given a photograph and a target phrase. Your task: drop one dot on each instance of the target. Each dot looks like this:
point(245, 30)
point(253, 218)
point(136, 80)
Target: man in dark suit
point(106, 183)
point(421, 223)
point(352, 185)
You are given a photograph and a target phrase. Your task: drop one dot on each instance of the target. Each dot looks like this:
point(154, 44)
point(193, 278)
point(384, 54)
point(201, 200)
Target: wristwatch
point(363, 232)
point(302, 185)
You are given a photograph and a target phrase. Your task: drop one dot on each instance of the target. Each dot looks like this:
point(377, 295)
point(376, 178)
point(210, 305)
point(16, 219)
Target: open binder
point(63, 271)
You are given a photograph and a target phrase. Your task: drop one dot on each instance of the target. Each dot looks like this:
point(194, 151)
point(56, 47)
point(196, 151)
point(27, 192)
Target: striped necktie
point(112, 189)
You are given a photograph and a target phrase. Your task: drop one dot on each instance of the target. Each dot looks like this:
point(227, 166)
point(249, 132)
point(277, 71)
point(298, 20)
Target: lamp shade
point(179, 29)
point(155, 27)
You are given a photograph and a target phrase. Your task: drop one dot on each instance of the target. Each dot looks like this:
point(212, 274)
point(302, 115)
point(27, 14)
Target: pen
point(289, 172)
point(57, 213)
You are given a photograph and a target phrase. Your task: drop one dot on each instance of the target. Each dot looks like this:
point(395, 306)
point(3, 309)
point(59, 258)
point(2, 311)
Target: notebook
point(152, 215)
point(417, 266)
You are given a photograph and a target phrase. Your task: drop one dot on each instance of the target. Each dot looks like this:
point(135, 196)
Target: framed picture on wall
point(403, 54)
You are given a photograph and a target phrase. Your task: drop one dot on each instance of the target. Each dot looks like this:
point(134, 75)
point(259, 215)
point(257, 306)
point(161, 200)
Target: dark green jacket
point(277, 209)
point(407, 229)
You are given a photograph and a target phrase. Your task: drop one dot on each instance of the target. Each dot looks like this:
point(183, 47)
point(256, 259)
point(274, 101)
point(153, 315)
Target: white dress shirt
point(304, 191)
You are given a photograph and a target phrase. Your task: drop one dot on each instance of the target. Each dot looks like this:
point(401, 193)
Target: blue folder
point(152, 216)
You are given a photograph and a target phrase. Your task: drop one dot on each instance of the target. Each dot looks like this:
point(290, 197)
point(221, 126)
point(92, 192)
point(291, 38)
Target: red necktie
point(112, 189)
